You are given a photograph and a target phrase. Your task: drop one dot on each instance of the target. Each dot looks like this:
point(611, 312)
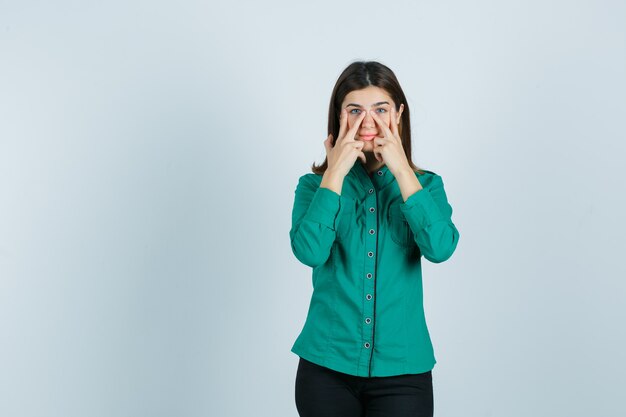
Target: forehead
point(366, 96)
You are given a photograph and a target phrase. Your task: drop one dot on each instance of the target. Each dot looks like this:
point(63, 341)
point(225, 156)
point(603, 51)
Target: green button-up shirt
point(366, 316)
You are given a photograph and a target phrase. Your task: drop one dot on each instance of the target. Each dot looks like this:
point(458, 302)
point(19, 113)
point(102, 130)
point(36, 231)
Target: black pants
point(323, 392)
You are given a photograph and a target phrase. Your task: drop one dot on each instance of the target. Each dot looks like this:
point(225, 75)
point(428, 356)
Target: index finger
point(352, 131)
point(382, 124)
point(343, 121)
point(394, 126)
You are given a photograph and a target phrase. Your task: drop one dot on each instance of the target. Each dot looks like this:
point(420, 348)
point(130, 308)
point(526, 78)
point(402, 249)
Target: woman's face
point(366, 99)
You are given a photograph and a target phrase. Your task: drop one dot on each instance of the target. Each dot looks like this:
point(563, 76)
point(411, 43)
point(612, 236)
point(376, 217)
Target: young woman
point(363, 220)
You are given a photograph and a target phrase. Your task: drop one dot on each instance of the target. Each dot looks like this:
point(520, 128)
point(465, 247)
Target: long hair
point(356, 76)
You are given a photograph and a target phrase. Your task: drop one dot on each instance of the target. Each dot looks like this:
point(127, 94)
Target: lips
point(367, 137)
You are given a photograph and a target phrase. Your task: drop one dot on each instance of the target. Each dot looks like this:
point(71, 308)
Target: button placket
point(370, 267)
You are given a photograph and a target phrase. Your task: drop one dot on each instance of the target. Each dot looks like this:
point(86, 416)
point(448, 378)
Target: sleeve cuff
point(421, 210)
point(324, 207)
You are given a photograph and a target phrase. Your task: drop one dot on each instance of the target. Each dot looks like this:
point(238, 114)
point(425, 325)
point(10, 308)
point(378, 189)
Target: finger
point(343, 122)
point(382, 124)
point(379, 156)
point(394, 125)
point(327, 142)
point(358, 145)
point(356, 125)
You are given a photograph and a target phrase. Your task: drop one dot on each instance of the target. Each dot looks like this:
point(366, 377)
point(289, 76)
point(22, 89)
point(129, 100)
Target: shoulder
point(425, 173)
point(310, 177)
point(309, 180)
point(428, 178)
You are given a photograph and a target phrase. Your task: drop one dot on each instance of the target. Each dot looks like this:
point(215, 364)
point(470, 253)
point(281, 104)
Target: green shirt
point(366, 316)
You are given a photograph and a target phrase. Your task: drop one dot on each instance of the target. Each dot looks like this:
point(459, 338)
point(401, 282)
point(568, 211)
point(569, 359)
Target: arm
point(430, 217)
point(314, 214)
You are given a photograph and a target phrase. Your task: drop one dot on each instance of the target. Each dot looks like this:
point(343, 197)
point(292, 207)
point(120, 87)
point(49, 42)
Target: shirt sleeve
point(429, 215)
point(313, 221)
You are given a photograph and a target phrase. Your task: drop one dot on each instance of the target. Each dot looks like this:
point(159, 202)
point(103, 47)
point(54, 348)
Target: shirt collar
point(379, 178)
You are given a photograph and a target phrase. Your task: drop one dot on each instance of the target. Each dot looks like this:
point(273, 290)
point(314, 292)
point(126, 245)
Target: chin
point(368, 146)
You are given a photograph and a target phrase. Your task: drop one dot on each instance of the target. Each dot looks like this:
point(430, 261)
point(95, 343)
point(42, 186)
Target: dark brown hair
point(359, 75)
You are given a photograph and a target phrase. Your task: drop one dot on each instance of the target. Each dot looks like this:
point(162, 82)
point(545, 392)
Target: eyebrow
point(373, 105)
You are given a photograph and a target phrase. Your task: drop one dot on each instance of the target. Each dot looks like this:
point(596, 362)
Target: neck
point(372, 163)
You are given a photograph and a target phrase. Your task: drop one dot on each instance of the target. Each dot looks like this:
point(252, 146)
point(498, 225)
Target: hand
point(346, 149)
point(389, 148)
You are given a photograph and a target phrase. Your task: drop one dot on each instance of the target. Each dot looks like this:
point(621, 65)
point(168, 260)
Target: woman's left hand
point(389, 148)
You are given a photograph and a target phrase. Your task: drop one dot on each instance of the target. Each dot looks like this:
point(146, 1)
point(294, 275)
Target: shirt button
point(372, 231)
point(370, 254)
point(372, 209)
point(368, 320)
point(369, 275)
point(380, 173)
point(367, 345)
point(371, 190)
point(368, 296)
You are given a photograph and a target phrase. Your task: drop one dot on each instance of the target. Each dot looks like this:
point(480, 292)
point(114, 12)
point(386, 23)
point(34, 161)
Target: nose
point(368, 120)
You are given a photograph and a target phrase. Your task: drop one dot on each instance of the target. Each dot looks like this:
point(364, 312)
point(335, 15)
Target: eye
point(383, 110)
point(353, 110)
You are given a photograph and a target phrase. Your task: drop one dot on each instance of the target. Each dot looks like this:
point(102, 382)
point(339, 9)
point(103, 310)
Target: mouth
point(367, 137)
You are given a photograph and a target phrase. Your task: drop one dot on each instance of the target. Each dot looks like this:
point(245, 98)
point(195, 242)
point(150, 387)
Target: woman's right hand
point(342, 155)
